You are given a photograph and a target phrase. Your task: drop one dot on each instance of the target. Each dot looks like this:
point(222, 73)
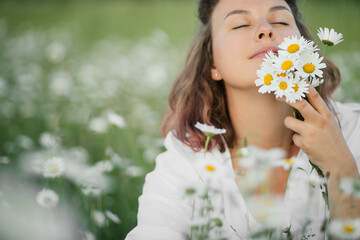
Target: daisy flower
point(329, 37)
point(286, 163)
point(54, 167)
point(265, 80)
point(300, 88)
point(211, 169)
point(208, 130)
point(284, 86)
point(47, 198)
point(284, 64)
point(345, 229)
point(293, 46)
point(310, 65)
point(350, 186)
point(269, 59)
point(315, 82)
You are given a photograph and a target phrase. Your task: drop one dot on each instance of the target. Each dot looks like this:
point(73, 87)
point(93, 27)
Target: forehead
point(252, 6)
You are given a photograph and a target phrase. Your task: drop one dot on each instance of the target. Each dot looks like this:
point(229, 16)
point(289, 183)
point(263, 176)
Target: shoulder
point(176, 164)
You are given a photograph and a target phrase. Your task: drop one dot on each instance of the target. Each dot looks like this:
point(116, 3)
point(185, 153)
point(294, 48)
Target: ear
point(215, 75)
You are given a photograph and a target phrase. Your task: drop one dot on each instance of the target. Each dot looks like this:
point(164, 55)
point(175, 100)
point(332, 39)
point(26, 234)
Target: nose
point(264, 32)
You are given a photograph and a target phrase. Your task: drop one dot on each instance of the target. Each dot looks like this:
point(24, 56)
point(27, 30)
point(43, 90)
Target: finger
point(306, 110)
point(296, 125)
point(317, 102)
point(297, 139)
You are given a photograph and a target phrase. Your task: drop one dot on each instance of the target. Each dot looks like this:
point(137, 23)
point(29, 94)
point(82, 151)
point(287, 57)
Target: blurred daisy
point(350, 186)
point(284, 86)
point(208, 130)
point(300, 88)
point(104, 166)
point(87, 236)
point(134, 171)
point(113, 217)
point(286, 163)
point(211, 169)
point(47, 140)
point(116, 119)
point(293, 46)
point(315, 180)
point(329, 37)
point(47, 198)
point(345, 229)
point(91, 191)
point(261, 158)
point(194, 190)
point(99, 218)
point(310, 65)
point(266, 209)
point(99, 125)
point(54, 167)
point(265, 79)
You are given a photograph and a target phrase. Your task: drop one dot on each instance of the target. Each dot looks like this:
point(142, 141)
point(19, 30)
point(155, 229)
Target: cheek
point(228, 51)
point(288, 33)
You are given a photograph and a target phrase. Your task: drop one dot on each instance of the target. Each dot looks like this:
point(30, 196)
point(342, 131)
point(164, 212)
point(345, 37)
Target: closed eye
point(281, 23)
point(241, 26)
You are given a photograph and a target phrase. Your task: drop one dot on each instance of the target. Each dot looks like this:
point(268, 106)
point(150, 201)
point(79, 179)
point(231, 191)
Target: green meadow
point(64, 65)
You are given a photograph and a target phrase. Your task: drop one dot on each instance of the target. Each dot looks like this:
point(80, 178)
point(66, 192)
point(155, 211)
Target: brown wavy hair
point(196, 97)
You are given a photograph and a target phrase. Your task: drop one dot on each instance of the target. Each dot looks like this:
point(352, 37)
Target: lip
point(262, 51)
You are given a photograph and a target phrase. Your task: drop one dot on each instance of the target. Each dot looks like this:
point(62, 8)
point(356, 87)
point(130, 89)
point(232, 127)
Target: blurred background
point(86, 82)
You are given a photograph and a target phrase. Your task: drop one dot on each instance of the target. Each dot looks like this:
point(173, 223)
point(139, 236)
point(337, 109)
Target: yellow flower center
point(54, 170)
point(267, 79)
point(286, 65)
point(283, 85)
point(289, 161)
point(348, 228)
point(309, 68)
point(210, 168)
point(293, 48)
point(281, 75)
point(296, 88)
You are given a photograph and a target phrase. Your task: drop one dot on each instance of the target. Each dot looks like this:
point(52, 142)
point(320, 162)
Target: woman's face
point(242, 32)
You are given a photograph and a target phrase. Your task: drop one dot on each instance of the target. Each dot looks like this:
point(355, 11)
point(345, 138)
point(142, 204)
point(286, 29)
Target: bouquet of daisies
point(296, 65)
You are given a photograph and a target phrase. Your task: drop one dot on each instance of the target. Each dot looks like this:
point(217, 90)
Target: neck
point(259, 118)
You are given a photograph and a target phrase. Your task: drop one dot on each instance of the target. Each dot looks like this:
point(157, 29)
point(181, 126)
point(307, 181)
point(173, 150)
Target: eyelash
point(282, 23)
point(242, 26)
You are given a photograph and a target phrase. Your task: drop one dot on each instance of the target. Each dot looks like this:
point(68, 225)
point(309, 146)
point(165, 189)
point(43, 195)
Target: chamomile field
point(84, 86)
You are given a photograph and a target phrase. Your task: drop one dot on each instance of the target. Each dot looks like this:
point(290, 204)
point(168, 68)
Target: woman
point(217, 87)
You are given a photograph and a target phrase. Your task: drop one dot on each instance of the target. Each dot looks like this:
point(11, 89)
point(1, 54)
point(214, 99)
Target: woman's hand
point(320, 137)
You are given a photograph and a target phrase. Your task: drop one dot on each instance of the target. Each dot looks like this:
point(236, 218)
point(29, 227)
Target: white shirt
point(164, 214)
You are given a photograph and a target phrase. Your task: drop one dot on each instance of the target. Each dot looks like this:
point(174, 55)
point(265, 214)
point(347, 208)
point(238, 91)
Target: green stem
point(207, 143)
point(294, 112)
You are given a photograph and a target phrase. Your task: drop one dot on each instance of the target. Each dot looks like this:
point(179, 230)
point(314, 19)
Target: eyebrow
point(273, 9)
